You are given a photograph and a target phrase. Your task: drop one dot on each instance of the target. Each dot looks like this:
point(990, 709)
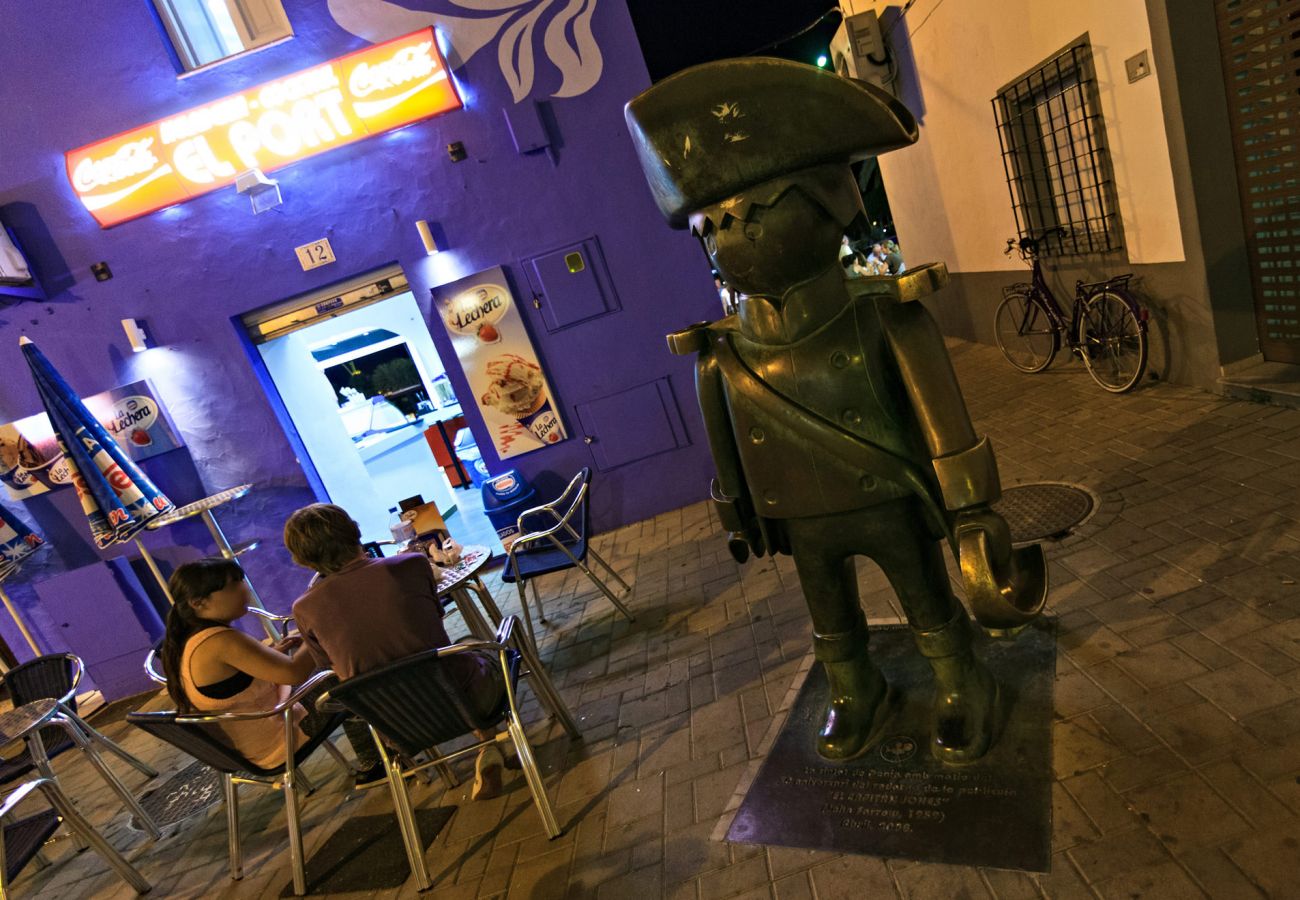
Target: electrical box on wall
point(571, 284)
point(858, 50)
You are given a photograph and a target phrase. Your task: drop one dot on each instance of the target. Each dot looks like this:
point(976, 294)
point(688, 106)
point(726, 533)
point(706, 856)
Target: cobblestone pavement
point(1177, 728)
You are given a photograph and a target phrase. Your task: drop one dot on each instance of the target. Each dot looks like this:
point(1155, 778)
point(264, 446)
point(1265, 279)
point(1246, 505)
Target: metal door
point(1260, 43)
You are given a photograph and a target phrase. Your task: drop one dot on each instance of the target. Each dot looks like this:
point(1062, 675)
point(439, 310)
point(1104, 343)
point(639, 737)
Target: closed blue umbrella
point(116, 496)
point(17, 542)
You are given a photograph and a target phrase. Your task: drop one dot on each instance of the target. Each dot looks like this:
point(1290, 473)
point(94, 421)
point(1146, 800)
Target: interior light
point(138, 335)
point(426, 236)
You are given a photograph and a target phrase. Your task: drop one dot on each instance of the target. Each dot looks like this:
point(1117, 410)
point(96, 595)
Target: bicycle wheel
point(1025, 333)
point(1113, 340)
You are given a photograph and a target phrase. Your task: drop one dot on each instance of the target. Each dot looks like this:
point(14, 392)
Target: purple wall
point(190, 269)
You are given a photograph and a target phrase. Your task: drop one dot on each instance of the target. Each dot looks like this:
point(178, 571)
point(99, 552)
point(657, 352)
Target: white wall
point(948, 192)
point(365, 491)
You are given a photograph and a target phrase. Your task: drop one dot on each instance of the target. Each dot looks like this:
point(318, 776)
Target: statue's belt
point(848, 447)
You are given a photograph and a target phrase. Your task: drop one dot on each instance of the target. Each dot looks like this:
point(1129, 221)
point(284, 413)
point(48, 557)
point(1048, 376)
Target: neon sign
point(191, 153)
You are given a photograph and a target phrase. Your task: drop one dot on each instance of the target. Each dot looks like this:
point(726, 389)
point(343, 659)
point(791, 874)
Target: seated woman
point(214, 668)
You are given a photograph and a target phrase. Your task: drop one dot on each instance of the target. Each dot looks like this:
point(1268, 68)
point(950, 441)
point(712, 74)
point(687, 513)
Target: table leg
point(36, 750)
point(485, 599)
point(153, 567)
point(547, 693)
point(88, 748)
point(31, 641)
point(85, 833)
point(134, 762)
point(474, 620)
point(228, 552)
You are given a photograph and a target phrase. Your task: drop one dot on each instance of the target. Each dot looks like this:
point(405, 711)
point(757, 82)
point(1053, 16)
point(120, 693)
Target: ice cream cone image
point(518, 391)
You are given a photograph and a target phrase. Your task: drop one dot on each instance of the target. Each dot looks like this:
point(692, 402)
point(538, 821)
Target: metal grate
point(1260, 43)
point(1054, 155)
point(1035, 512)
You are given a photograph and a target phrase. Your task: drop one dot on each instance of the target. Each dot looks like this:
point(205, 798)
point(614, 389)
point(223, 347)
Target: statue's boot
point(966, 695)
point(858, 703)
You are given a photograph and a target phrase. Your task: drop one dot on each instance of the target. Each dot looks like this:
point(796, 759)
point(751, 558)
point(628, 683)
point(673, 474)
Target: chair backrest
point(42, 678)
point(412, 702)
point(47, 677)
point(574, 506)
point(199, 741)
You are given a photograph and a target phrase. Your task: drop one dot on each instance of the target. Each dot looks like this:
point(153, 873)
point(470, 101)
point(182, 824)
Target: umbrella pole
point(19, 622)
point(228, 552)
point(153, 567)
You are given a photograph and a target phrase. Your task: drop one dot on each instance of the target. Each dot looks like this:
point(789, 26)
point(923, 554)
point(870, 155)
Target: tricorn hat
point(711, 131)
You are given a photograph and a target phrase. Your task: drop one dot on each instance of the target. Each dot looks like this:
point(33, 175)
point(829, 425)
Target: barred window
point(208, 31)
point(1054, 154)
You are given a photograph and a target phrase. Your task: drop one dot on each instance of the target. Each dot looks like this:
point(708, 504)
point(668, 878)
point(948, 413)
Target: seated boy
point(361, 613)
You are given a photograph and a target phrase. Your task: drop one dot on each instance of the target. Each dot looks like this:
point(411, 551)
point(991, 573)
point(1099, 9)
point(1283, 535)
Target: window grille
point(1054, 155)
point(208, 31)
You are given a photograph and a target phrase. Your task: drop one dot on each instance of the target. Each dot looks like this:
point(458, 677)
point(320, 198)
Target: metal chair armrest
point(296, 697)
point(466, 646)
point(151, 670)
point(506, 630)
point(78, 669)
point(284, 622)
point(19, 794)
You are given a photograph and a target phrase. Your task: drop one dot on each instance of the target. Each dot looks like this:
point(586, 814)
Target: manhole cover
point(1038, 511)
point(187, 793)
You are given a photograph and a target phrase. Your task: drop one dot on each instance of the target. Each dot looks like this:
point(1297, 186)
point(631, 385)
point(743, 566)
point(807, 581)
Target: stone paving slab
point(1177, 716)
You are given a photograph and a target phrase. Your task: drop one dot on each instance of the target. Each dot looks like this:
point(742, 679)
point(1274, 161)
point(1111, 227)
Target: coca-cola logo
point(131, 159)
point(467, 312)
point(406, 65)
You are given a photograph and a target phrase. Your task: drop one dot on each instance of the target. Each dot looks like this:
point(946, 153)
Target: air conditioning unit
point(858, 50)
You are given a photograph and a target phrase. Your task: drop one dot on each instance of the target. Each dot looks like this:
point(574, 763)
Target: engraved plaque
point(896, 799)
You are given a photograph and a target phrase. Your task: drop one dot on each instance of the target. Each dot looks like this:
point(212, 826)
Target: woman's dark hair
point(190, 582)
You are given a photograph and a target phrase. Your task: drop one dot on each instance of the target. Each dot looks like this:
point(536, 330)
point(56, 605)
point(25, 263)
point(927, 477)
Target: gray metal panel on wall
point(571, 284)
point(632, 424)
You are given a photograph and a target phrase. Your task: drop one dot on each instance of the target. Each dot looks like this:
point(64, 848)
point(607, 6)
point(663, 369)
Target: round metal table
point(459, 585)
point(203, 508)
point(455, 584)
point(24, 723)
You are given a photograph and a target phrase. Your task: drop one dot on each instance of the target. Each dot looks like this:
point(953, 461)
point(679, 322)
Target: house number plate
point(315, 254)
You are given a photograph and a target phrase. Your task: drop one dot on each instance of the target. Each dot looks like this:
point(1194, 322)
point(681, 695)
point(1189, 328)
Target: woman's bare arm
point(239, 651)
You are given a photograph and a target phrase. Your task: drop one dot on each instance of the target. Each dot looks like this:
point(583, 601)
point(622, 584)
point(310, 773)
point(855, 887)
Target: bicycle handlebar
point(1028, 245)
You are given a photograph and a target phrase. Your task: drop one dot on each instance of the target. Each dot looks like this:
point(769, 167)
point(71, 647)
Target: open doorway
point(367, 394)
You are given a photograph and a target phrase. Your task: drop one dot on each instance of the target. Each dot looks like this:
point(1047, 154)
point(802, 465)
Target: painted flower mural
point(473, 25)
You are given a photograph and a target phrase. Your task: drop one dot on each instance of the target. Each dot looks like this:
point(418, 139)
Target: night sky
point(675, 34)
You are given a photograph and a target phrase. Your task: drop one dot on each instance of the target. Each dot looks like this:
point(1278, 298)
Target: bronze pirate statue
point(834, 417)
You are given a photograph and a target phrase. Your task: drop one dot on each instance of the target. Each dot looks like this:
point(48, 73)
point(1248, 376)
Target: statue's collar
point(800, 312)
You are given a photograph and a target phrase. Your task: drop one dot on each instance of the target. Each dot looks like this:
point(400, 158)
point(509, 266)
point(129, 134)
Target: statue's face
point(767, 249)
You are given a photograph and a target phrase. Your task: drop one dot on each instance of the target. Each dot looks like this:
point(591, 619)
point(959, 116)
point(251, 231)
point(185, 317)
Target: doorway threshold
point(1264, 382)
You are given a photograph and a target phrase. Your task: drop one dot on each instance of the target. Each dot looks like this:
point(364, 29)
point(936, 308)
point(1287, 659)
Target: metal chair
point(556, 546)
point(55, 677)
point(196, 735)
point(24, 838)
point(414, 706)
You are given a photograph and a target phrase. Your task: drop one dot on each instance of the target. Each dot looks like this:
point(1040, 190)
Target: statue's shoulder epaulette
point(911, 285)
point(696, 338)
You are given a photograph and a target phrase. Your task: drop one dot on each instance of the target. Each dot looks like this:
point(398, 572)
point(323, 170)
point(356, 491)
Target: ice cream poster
point(499, 362)
point(31, 462)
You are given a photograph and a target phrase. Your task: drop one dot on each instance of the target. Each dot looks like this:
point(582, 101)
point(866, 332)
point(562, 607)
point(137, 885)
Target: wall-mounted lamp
point(426, 235)
point(138, 335)
point(263, 191)
point(101, 271)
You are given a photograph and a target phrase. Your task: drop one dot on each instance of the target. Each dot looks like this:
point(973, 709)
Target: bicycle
point(1107, 327)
